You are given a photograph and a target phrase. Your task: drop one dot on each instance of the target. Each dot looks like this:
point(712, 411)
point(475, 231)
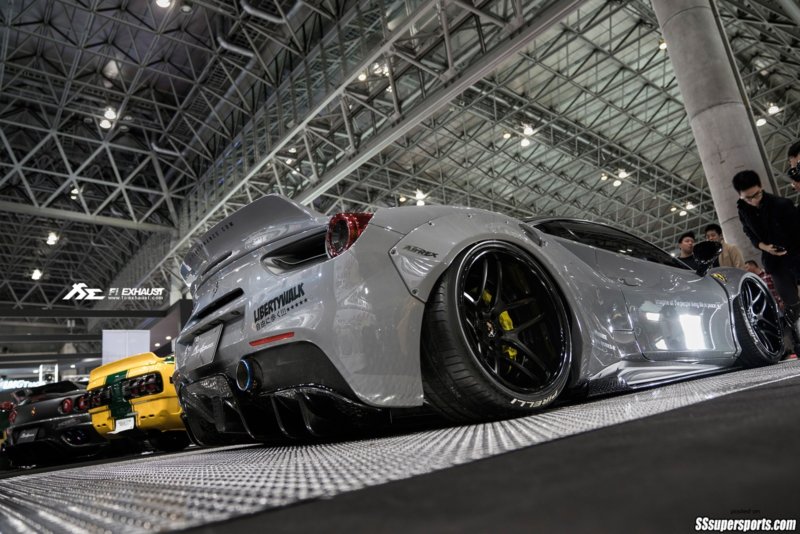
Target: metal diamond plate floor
point(203, 486)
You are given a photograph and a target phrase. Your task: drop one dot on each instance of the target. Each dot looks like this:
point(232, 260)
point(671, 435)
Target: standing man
point(771, 223)
point(794, 165)
point(686, 249)
point(731, 255)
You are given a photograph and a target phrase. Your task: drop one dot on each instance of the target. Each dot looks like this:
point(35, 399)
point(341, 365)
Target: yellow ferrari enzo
point(134, 398)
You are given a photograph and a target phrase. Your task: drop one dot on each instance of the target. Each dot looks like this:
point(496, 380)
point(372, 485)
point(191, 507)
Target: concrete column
point(721, 122)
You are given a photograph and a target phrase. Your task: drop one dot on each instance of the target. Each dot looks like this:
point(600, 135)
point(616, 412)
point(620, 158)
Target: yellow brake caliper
point(505, 323)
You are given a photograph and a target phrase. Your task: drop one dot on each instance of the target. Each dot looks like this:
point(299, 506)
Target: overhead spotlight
point(110, 113)
point(127, 118)
point(52, 238)
point(761, 121)
point(186, 8)
point(169, 338)
point(157, 345)
point(292, 150)
point(105, 124)
point(673, 208)
point(689, 206)
point(604, 177)
point(617, 183)
point(507, 135)
point(682, 213)
point(376, 68)
point(362, 77)
point(622, 173)
point(402, 198)
point(74, 191)
point(72, 366)
point(73, 197)
point(389, 89)
point(420, 202)
point(163, 3)
point(527, 130)
point(419, 195)
point(773, 109)
point(525, 141)
point(662, 44)
point(36, 274)
point(289, 161)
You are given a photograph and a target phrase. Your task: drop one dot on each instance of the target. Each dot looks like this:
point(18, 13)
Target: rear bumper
point(158, 414)
point(60, 437)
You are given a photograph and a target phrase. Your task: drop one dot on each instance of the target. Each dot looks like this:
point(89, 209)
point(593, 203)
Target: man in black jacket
point(771, 223)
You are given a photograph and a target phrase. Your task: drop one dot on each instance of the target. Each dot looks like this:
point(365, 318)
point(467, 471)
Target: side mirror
point(705, 253)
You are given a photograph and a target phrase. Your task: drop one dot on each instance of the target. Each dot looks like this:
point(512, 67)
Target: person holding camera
point(771, 223)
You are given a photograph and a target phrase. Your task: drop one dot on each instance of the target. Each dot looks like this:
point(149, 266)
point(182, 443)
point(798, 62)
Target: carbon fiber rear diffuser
point(203, 486)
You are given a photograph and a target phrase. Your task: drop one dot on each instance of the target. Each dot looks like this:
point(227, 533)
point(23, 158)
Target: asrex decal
point(277, 307)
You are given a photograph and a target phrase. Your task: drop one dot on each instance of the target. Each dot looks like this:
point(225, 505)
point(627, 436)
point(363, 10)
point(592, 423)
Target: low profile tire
point(495, 336)
point(758, 325)
point(170, 441)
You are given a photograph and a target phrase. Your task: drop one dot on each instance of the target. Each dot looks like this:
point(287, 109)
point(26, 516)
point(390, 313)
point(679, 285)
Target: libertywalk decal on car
point(277, 307)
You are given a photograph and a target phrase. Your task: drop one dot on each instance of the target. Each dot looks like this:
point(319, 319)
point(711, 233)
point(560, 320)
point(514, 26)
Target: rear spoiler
point(263, 221)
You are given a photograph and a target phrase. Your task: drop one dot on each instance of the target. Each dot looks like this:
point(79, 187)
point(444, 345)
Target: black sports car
point(51, 423)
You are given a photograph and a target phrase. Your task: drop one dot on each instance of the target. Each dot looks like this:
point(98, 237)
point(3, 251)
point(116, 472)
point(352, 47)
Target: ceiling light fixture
point(773, 109)
point(36, 274)
point(105, 124)
point(617, 183)
point(673, 208)
point(420, 202)
point(527, 130)
point(72, 366)
point(362, 77)
point(682, 213)
point(169, 338)
point(110, 113)
point(525, 141)
point(158, 345)
point(662, 44)
point(761, 121)
point(402, 198)
point(186, 8)
point(52, 238)
point(604, 177)
point(507, 135)
point(622, 173)
point(163, 3)
point(292, 150)
point(689, 206)
point(419, 195)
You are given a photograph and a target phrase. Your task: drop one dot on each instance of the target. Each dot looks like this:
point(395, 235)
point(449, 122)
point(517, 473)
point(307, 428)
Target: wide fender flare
point(426, 252)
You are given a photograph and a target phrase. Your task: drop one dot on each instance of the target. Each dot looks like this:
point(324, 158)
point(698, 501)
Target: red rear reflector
point(271, 339)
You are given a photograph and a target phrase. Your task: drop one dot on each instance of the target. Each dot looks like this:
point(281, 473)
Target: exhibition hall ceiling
point(127, 128)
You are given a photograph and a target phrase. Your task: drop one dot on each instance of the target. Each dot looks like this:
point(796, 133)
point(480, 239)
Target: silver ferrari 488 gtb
point(305, 324)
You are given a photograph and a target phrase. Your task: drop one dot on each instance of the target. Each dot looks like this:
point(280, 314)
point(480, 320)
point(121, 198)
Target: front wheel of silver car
point(495, 337)
point(758, 325)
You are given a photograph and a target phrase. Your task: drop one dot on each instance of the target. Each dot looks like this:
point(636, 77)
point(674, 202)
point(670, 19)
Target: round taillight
point(343, 230)
point(66, 406)
point(82, 403)
point(12, 416)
